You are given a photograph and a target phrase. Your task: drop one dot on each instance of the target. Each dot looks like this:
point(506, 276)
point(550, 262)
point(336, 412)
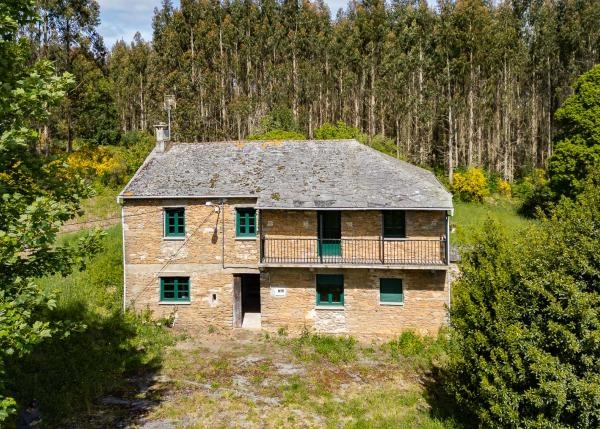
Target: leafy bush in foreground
point(526, 319)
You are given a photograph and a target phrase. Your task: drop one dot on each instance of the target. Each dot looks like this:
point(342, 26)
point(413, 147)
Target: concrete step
point(251, 321)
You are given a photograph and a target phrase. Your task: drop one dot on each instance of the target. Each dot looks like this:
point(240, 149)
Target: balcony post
point(261, 257)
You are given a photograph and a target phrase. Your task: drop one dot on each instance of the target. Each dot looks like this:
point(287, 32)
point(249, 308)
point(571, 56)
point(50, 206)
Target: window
point(175, 289)
point(394, 224)
point(245, 222)
point(175, 222)
point(330, 289)
point(390, 291)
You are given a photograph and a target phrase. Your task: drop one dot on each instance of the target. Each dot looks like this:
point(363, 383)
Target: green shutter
point(176, 289)
point(245, 224)
point(330, 289)
point(175, 222)
point(390, 290)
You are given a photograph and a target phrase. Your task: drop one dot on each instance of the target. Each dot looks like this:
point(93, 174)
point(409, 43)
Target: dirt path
point(93, 223)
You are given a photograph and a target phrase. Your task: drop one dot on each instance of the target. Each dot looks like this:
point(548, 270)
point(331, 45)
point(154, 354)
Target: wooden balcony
point(354, 252)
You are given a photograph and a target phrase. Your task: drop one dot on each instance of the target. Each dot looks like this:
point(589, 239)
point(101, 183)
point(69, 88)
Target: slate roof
point(291, 174)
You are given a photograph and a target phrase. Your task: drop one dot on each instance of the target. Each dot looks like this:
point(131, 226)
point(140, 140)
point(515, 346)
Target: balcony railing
point(353, 251)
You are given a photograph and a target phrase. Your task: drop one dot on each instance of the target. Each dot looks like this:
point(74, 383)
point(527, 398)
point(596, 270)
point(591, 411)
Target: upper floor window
point(245, 222)
point(175, 289)
point(394, 224)
point(175, 222)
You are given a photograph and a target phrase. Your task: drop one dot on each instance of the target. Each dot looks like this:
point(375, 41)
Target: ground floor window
point(391, 291)
point(175, 289)
point(330, 289)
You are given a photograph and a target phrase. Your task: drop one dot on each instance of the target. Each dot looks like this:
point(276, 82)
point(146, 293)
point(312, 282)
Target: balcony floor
point(379, 266)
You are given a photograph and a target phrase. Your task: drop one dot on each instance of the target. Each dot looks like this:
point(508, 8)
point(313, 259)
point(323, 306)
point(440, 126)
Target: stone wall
point(203, 242)
point(355, 223)
point(199, 255)
point(423, 310)
point(210, 294)
point(210, 234)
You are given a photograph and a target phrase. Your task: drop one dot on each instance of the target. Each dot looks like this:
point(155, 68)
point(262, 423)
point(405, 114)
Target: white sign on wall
point(278, 292)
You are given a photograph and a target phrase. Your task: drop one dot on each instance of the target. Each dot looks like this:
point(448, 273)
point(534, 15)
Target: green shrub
point(471, 185)
point(277, 135)
point(340, 130)
point(385, 145)
point(135, 147)
point(535, 194)
point(279, 118)
point(314, 347)
point(407, 344)
point(526, 321)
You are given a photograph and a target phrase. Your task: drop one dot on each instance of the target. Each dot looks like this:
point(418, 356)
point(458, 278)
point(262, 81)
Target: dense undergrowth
point(101, 346)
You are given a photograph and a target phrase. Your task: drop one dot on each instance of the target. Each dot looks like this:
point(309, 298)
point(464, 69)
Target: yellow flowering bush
point(98, 162)
point(504, 188)
point(470, 185)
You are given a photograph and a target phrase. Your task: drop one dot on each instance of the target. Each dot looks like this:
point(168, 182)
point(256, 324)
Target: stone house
point(329, 236)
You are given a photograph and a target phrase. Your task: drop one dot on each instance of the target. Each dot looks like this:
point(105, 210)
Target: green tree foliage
point(340, 130)
point(577, 151)
point(526, 320)
point(66, 34)
point(37, 197)
point(278, 135)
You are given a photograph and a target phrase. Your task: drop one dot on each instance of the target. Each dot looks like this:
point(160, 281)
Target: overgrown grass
point(315, 347)
point(312, 381)
point(102, 206)
point(418, 352)
point(469, 217)
point(101, 347)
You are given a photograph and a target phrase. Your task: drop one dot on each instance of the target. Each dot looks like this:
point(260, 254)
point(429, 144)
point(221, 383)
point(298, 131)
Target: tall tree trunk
point(222, 80)
point(534, 124)
point(372, 102)
point(69, 69)
point(450, 126)
point(471, 113)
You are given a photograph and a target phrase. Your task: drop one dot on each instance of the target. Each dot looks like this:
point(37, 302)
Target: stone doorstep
point(251, 321)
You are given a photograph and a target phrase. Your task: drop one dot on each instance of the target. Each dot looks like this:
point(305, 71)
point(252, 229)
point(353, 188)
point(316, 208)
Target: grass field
point(469, 217)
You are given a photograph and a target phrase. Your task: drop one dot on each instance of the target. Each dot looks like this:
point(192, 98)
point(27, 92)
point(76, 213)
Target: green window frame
point(330, 290)
point(391, 291)
point(394, 224)
point(174, 222)
point(175, 289)
point(245, 222)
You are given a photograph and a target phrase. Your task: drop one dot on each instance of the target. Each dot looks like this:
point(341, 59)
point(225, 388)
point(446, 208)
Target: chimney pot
point(162, 136)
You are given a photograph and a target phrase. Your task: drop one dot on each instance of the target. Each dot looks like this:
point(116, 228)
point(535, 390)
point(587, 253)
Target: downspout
point(448, 257)
point(124, 257)
point(222, 214)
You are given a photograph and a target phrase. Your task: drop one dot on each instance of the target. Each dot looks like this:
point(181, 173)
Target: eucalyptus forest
point(456, 84)
point(497, 97)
